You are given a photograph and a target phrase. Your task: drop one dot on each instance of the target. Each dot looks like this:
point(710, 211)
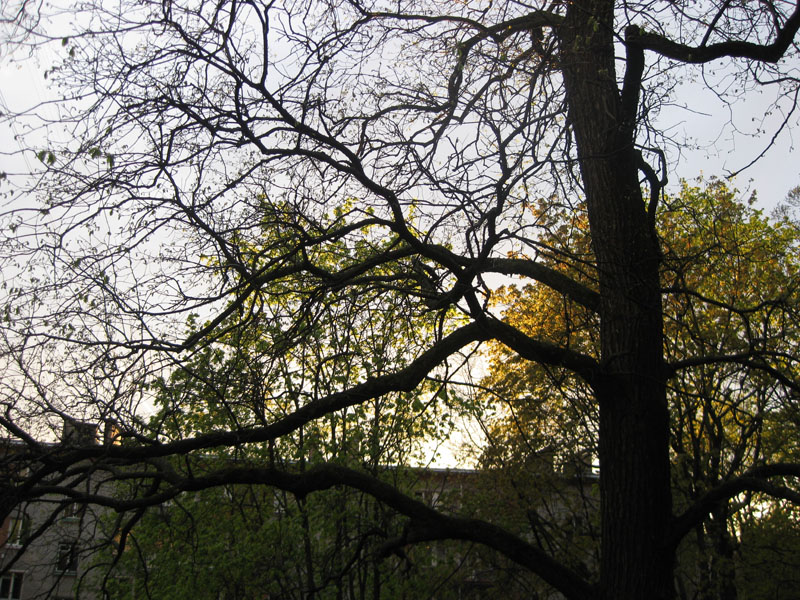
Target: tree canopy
point(724, 418)
point(342, 184)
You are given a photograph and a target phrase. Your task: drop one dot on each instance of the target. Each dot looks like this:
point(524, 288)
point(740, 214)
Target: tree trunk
point(723, 564)
point(631, 390)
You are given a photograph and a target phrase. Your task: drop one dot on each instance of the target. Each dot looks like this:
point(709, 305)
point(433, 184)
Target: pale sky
point(729, 150)
point(706, 121)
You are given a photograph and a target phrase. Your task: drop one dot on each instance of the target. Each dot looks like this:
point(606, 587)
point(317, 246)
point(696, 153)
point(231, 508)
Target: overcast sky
point(701, 118)
point(726, 148)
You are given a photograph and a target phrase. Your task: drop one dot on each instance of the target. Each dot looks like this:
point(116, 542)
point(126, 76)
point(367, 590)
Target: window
point(18, 530)
point(11, 586)
point(429, 497)
point(73, 511)
point(67, 558)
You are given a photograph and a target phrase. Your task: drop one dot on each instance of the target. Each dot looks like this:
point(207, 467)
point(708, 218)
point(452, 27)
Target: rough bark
point(631, 391)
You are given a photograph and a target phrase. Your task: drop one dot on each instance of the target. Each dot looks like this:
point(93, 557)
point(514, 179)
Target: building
point(45, 546)
point(59, 561)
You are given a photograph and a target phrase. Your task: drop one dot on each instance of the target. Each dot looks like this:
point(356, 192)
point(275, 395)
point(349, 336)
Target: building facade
point(255, 538)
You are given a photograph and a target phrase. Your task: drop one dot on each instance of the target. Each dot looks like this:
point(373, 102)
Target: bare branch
point(754, 480)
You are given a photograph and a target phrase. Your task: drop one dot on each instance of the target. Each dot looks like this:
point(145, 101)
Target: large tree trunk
point(631, 391)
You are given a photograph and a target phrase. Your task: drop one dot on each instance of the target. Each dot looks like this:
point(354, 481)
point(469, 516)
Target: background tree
point(769, 541)
point(725, 417)
point(242, 541)
point(193, 169)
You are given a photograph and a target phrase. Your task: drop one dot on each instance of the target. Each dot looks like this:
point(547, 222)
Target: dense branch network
point(279, 190)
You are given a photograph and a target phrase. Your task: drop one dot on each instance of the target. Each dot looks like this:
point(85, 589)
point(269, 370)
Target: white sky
point(707, 123)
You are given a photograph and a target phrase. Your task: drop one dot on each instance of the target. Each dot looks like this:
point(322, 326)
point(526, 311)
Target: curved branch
point(781, 301)
point(747, 359)
point(733, 48)
point(552, 278)
point(498, 32)
point(754, 480)
point(656, 184)
point(543, 352)
point(403, 380)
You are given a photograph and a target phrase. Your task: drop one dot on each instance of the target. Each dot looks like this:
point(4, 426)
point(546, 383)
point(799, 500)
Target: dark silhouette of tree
point(724, 418)
point(348, 172)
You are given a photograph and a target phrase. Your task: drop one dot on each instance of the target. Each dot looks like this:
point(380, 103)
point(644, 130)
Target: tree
point(724, 417)
point(770, 542)
point(230, 131)
point(244, 541)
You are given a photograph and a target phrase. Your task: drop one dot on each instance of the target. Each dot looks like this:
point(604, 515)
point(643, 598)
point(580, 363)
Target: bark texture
point(631, 389)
